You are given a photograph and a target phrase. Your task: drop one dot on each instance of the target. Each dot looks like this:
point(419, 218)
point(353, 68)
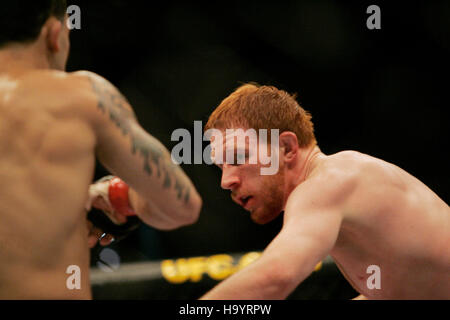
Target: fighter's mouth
point(244, 200)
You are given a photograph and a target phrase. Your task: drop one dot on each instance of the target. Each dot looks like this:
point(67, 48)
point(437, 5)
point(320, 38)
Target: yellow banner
point(217, 267)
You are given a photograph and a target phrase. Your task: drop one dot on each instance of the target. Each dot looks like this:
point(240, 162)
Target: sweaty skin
point(52, 126)
point(361, 210)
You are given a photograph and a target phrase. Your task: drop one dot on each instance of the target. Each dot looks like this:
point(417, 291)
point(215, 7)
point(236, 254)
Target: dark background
point(382, 92)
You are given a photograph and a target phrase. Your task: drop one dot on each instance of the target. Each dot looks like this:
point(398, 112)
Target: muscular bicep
point(312, 220)
point(128, 151)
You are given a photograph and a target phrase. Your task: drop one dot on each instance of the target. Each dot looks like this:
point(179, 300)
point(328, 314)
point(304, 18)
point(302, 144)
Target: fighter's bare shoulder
point(328, 185)
point(356, 166)
point(106, 95)
point(338, 181)
point(68, 82)
point(81, 93)
point(53, 85)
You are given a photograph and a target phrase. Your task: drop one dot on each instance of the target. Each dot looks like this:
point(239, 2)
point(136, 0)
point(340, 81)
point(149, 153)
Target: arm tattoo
point(113, 103)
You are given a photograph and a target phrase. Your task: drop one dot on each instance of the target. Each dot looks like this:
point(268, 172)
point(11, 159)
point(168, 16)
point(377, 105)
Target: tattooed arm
point(160, 192)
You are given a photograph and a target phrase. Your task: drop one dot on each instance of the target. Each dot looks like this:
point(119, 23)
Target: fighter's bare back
point(46, 166)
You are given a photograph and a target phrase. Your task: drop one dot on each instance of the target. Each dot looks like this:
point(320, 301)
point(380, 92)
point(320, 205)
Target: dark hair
point(22, 20)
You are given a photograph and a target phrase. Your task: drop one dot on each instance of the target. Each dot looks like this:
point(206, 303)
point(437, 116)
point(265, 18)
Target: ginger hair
point(263, 107)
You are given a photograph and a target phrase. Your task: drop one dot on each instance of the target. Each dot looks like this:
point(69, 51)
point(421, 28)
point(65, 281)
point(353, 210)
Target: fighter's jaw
point(263, 219)
point(250, 204)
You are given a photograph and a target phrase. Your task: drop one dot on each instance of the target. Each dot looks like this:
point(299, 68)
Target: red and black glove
point(109, 207)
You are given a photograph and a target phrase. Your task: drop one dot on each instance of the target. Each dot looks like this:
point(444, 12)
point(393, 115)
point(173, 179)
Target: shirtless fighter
point(52, 127)
point(360, 210)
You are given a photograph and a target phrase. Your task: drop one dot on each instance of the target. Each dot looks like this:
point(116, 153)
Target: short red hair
point(263, 107)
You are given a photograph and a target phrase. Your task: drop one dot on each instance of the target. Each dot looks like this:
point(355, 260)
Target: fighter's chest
point(372, 274)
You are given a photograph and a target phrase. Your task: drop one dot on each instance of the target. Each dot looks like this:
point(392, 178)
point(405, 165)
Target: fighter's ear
point(53, 28)
point(288, 146)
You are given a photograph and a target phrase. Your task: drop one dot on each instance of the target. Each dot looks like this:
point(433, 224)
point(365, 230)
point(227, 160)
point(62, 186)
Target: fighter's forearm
point(261, 280)
point(156, 217)
point(163, 190)
point(118, 200)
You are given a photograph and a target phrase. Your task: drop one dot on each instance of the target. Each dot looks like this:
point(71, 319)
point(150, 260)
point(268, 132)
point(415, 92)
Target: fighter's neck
point(311, 162)
point(15, 58)
point(307, 161)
